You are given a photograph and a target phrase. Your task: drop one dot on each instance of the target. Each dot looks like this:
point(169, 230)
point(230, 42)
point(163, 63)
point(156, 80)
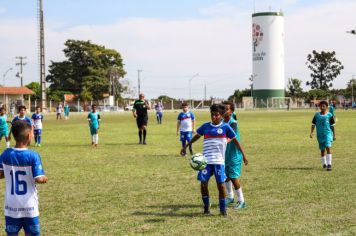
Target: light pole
point(190, 88)
point(139, 82)
point(4, 83)
point(252, 78)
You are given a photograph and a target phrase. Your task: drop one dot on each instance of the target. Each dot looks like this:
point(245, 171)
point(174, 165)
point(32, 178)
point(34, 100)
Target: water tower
point(268, 58)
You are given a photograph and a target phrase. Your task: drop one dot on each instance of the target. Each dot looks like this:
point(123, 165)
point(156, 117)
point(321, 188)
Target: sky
point(173, 40)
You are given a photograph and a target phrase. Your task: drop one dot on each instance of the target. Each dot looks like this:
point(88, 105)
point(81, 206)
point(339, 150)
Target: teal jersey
point(94, 118)
point(66, 109)
point(323, 125)
point(332, 110)
point(3, 123)
point(233, 154)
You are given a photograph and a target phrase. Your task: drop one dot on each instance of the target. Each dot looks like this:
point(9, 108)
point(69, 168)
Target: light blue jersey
point(94, 119)
point(233, 156)
point(4, 129)
point(323, 125)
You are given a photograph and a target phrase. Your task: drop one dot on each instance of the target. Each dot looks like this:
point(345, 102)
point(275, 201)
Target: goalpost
point(281, 102)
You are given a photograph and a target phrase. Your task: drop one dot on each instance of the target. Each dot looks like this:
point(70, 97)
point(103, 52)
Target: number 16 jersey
point(21, 166)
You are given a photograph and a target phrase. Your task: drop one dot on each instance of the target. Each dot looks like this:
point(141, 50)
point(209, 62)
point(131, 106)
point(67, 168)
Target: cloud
point(217, 46)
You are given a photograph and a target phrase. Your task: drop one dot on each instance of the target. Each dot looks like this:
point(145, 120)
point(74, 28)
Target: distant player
point(4, 128)
point(22, 116)
point(59, 111)
point(324, 123)
point(37, 118)
point(66, 111)
point(94, 122)
point(215, 135)
point(159, 112)
point(186, 126)
point(139, 111)
point(22, 169)
point(233, 161)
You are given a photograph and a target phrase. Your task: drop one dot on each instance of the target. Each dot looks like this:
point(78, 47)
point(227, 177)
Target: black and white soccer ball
point(198, 161)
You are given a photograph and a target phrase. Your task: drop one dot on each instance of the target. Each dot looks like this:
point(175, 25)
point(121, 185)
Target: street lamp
point(351, 31)
point(3, 77)
point(190, 87)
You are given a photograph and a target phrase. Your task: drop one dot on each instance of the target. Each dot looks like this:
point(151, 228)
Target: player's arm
point(332, 123)
point(2, 174)
point(99, 119)
point(147, 105)
point(41, 179)
point(195, 138)
point(134, 111)
point(239, 146)
point(178, 126)
point(312, 127)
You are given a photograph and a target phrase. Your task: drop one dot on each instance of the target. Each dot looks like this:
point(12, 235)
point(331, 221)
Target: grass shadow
point(293, 168)
point(170, 211)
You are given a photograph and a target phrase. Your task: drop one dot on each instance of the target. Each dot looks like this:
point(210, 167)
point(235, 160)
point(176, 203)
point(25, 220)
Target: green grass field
point(122, 188)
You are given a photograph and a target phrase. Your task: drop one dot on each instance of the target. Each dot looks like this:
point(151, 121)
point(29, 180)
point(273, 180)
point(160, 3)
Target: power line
point(21, 63)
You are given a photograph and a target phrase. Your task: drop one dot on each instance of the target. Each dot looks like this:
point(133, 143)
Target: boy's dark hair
point(21, 107)
point(323, 102)
point(37, 107)
point(184, 104)
point(231, 104)
point(92, 106)
point(217, 108)
point(20, 130)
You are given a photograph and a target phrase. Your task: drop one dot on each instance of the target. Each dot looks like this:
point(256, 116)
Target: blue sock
point(183, 144)
point(36, 138)
point(222, 204)
point(39, 139)
point(206, 201)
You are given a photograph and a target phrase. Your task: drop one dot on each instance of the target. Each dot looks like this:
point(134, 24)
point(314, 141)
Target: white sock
point(328, 158)
point(96, 138)
point(323, 160)
point(229, 190)
point(93, 138)
point(240, 195)
point(7, 144)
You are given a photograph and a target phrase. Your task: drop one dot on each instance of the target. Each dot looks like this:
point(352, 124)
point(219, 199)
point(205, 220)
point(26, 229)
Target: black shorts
point(141, 121)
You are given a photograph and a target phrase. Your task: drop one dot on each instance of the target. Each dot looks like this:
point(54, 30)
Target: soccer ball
point(198, 161)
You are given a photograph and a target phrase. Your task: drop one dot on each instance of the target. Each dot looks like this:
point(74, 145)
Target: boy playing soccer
point(215, 134)
point(22, 170)
point(186, 126)
point(66, 111)
point(37, 123)
point(21, 116)
point(94, 119)
point(233, 161)
point(324, 123)
point(4, 128)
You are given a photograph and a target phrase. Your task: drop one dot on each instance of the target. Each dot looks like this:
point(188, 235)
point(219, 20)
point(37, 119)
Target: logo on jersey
point(220, 131)
point(188, 115)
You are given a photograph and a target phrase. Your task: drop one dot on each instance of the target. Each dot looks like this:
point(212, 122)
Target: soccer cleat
point(240, 205)
point(229, 201)
point(35, 144)
point(206, 210)
point(144, 142)
point(39, 145)
point(223, 213)
point(140, 142)
point(324, 166)
point(328, 168)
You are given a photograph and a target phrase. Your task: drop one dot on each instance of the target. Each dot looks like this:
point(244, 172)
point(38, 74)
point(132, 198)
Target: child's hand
point(334, 137)
point(245, 161)
point(183, 152)
point(311, 135)
point(41, 180)
point(177, 133)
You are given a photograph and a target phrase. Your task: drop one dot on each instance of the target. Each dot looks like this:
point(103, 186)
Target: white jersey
point(186, 121)
point(20, 167)
point(37, 120)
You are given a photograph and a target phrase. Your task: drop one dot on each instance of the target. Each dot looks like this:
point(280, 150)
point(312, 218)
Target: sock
point(35, 138)
point(144, 134)
point(7, 144)
point(323, 160)
point(96, 138)
point(93, 138)
point(183, 144)
point(140, 135)
point(206, 201)
point(190, 149)
point(328, 158)
point(230, 191)
point(39, 139)
point(240, 195)
point(222, 205)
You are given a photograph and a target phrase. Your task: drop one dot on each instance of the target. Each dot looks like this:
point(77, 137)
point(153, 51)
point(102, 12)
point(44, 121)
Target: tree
point(294, 88)
point(36, 88)
point(325, 68)
point(351, 88)
point(90, 71)
point(237, 96)
point(165, 98)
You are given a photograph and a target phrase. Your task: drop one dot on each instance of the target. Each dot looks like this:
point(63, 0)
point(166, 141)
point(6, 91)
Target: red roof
point(16, 90)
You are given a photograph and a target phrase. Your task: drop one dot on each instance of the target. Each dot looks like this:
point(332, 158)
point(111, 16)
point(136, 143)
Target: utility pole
point(21, 63)
point(139, 82)
point(204, 92)
point(42, 57)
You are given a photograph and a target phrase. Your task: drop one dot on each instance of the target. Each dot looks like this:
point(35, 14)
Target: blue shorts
point(94, 129)
point(4, 133)
point(30, 225)
point(186, 136)
point(38, 132)
point(323, 144)
point(212, 169)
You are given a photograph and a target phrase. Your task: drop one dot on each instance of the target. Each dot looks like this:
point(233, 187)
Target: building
point(15, 96)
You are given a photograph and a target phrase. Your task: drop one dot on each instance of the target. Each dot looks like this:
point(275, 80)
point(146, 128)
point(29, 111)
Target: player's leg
point(160, 117)
point(96, 137)
point(203, 177)
point(39, 137)
point(7, 141)
point(219, 172)
point(322, 153)
point(32, 226)
point(183, 138)
point(139, 126)
point(189, 137)
point(144, 127)
point(92, 135)
point(157, 117)
point(328, 158)
point(13, 225)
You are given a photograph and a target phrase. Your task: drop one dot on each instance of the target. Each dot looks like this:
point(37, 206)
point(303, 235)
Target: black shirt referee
point(139, 111)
